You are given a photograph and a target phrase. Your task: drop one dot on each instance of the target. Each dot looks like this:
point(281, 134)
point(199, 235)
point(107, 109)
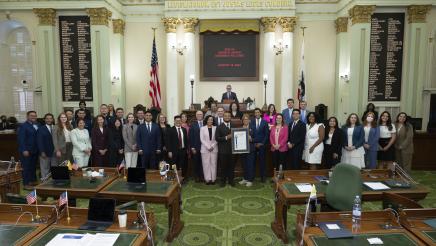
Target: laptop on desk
point(60, 175)
point(136, 177)
point(101, 212)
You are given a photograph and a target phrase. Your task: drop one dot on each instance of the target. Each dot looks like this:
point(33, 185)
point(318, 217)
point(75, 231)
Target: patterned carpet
point(242, 216)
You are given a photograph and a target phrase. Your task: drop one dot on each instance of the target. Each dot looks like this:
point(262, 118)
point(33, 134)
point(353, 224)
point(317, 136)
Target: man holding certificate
point(226, 164)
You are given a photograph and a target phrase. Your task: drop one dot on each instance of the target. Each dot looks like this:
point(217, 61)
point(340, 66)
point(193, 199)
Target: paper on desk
point(375, 240)
point(333, 226)
point(377, 186)
point(95, 174)
point(103, 239)
point(68, 239)
point(304, 187)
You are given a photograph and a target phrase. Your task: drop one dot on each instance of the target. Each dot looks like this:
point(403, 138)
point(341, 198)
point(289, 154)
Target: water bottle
point(357, 214)
point(12, 163)
point(281, 172)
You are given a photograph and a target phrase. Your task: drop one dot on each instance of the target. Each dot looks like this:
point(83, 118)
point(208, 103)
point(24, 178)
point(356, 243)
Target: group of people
point(295, 134)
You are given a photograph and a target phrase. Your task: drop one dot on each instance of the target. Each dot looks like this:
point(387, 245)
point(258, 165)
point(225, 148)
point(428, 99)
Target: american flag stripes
point(154, 78)
point(31, 197)
point(302, 83)
point(63, 199)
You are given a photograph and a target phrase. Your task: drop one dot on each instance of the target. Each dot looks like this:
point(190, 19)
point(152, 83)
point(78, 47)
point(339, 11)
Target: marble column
point(269, 24)
point(287, 74)
point(342, 98)
point(117, 63)
point(189, 25)
point(172, 85)
point(416, 49)
point(360, 32)
point(47, 66)
point(100, 53)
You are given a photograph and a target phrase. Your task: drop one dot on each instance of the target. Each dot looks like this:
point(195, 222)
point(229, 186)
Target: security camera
point(23, 82)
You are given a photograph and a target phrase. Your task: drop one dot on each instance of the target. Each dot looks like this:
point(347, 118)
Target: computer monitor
point(60, 173)
point(101, 209)
point(136, 175)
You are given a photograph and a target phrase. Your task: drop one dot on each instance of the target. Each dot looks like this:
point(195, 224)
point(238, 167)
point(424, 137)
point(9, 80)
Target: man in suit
point(44, 140)
point(296, 139)
point(82, 105)
point(119, 114)
point(195, 143)
point(148, 139)
point(4, 124)
point(70, 117)
point(287, 112)
point(303, 111)
point(28, 148)
point(81, 114)
point(219, 119)
point(177, 146)
point(140, 117)
point(229, 94)
point(226, 163)
point(104, 111)
point(259, 128)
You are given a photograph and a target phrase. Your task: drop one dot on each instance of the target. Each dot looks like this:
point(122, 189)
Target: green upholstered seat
point(345, 184)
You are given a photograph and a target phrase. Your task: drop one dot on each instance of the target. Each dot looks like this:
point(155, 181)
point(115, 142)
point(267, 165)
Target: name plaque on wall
point(76, 66)
point(386, 57)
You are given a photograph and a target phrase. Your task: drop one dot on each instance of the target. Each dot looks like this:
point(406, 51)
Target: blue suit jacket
point(358, 136)
point(27, 138)
point(286, 117)
point(147, 141)
point(374, 135)
point(194, 136)
point(261, 134)
point(44, 141)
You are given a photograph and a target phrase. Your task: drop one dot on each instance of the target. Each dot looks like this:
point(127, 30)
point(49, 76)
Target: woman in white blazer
point(81, 144)
point(209, 150)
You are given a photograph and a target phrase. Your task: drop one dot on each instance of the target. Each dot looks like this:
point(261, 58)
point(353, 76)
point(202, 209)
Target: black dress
point(335, 147)
point(163, 156)
point(116, 142)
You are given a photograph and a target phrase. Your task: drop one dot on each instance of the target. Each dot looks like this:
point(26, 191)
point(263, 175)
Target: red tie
point(180, 138)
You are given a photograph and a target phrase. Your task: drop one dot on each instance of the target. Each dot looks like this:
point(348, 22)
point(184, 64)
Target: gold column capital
point(189, 24)
point(118, 26)
point(287, 23)
point(361, 13)
point(171, 24)
point(341, 24)
point(47, 17)
point(269, 23)
point(418, 13)
point(99, 16)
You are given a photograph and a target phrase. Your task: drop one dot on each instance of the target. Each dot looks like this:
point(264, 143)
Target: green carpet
point(240, 215)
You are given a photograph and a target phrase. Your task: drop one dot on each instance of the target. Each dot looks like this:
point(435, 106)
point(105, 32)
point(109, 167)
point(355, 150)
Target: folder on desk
point(376, 186)
point(335, 230)
point(431, 222)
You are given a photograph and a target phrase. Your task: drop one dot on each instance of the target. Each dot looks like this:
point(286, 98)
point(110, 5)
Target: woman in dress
point(370, 145)
point(388, 133)
point(81, 144)
point(209, 150)
point(404, 143)
point(354, 137)
point(164, 129)
point(111, 111)
point(270, 116)
point(99, 137)
point(129, 137)
point(332, 143)
point(247, 159)
point(313, 146)
point(116, 143)
point(234, 111)
point(278, 138)
point(62, 139)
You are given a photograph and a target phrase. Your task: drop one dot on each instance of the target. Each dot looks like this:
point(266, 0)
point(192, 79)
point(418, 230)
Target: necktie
point(180, 138)
point(293, 124)
point(200, 124)
point(228, 125)
point(228, 95)
point(219, 121)
point(148, 127)
point(257, 123)
point(51, 129)
point(303, 114)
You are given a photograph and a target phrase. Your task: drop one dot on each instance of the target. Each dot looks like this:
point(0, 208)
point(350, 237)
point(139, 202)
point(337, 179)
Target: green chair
point(345, 184)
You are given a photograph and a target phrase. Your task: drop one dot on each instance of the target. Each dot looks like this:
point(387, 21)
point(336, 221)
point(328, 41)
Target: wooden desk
point(10, 181)
point(413, 220)
point(128, 236)
point(372, 225)
point(287, 193)
point(25, 230)
point(155, 191)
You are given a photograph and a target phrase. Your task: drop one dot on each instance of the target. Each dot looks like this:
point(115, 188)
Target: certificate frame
point(238, 133)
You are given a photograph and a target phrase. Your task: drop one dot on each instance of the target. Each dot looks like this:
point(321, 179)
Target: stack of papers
point(71, 239)
point(376, 186)
point(304, 187)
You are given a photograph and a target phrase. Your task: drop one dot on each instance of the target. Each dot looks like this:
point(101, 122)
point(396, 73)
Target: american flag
point(154, 78)
point(302, 83)
point(121, 166)
point(63, 199)
point(31, 197)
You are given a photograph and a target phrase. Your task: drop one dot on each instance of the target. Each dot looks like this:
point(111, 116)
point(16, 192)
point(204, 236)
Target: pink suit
point(209, 158)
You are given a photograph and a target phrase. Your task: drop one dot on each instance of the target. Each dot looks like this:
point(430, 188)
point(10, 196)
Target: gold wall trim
point(189, 24)
point(287, 23)
point(418, 13)
point(361, 13)
point(229, 25)
point(171, 23)
point(47, 17)
point(341, 24)
point(269, 23)
point(118, 26)
point(99, 16)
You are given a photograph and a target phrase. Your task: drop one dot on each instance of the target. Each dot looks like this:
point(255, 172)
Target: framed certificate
point(240, 143)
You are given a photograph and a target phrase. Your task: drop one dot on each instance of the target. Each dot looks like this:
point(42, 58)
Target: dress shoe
point(242, 182)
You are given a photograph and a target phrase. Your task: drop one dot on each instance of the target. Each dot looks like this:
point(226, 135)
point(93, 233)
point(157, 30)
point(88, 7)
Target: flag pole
point(68, 208)
point(36, 202)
